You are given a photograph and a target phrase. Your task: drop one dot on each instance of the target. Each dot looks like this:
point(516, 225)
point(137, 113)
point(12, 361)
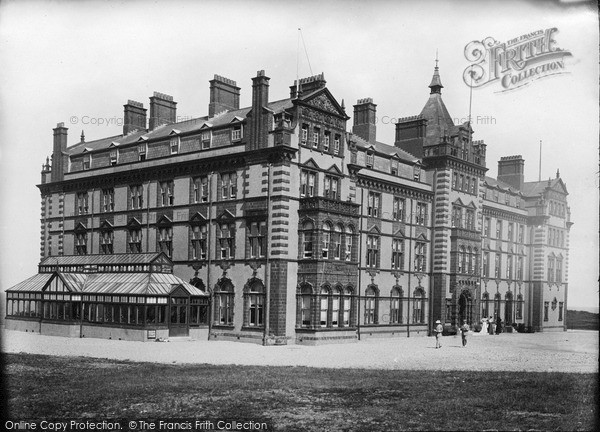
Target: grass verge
point(299, 398)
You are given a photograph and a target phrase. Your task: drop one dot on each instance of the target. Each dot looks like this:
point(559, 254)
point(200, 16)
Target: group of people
point(488, 325)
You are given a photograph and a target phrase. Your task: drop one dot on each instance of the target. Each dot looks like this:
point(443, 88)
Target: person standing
point(463, 332)
point(438, 334)
point(498, 325)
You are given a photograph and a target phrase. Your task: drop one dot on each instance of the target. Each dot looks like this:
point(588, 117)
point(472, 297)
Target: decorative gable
point(324, 101)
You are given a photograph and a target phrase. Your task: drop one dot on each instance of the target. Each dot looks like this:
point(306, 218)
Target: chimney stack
point(60, 159)
point(224, 95)
point(134, 117)
point(162, 110)
point(365, 119)
point(308, 85)
point(259, 118)
point(511, 170)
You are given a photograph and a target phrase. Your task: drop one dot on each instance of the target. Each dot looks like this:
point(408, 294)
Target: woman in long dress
point(484, 326)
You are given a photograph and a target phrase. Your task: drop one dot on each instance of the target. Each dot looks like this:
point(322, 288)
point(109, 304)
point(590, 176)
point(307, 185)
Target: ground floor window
point(254, 299)
point(546, 305)
point(418, 307)
point(371, 305)
point(560, 311)
point(224, 303)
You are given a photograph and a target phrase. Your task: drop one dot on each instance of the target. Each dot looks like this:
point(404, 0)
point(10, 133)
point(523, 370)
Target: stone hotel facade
point(274, 224)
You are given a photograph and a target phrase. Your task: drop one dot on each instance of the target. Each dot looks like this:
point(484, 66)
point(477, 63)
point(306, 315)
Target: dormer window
point(114, 156)
point(174, 145)
point(417, 173)
point(236, 133)
point(205, 138)
point(394, 167)
point(142, 150)
point(370, 158)
point(87, 161)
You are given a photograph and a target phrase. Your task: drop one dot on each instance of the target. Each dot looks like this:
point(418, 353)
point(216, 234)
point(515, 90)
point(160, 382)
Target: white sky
point(64, 59)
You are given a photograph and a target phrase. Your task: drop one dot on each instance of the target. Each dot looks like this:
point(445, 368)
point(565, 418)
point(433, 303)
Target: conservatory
point(120, 296)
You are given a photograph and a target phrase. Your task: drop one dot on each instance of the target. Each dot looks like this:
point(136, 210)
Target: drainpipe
point(267, 269)
point(360, 242)
point(148, 217)
point(410, 263)
point(92, 223)
point(208, 254)
point(431, 251)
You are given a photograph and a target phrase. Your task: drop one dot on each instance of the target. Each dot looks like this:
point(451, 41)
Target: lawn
point(298, 398)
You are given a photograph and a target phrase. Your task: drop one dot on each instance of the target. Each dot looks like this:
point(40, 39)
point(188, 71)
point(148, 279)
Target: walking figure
point(438, 334)
point(463, 330)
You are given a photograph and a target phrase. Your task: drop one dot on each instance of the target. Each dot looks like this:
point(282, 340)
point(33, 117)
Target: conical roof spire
point(436, 84)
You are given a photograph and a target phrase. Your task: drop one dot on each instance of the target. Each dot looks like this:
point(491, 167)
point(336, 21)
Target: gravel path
point(572, 351)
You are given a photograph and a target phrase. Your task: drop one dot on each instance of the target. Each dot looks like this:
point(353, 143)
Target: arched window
point(335, 307)
point(469, 266)
point(326, 240)
point(324, 306)
point(347, 299)
point(305, 306)
point(337, 242)
point(520, 306)
point(418, 306)
point(461, 259)
point(497, 300)
point(485, 305)
point(371, 305)
point(307, 239)
point(475, 269)
point(508, 308)
point(396, 306)
point(224, 296)
point(254, 299)
point(348, 239)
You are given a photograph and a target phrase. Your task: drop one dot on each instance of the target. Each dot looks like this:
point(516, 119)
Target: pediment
point(105, 225)
point(134, 223)
point(164, 220)
point(175, 132)
point(236, 119)
point(399, 233)
point(178, 291)
point(374, 230)
point(113, 144)
point(311, 164)
point(226, 214)
point(198, 218)
point(334, 169)
point(421, 237)
point(324, 101)
point(143, 138)
point(80, 227)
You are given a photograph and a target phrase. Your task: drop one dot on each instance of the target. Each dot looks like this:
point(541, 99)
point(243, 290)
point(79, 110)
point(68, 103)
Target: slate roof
point(386, 149)
point(490, 181)
point(163, 131)
point(149, 284)
point(536, 188)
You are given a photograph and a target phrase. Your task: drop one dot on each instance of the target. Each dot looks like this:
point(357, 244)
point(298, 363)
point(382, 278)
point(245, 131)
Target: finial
point(557, 173)
point(82, 136)
point(343, 105)
point(436, 83)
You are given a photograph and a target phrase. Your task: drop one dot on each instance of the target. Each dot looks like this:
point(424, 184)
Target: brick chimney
point(259, 118)
point(134, 117)
point(410, 134)
point(162, 110)
point(511, 170)
point(308, 85)
point(60, 159)
point(224, 95)
point(365, 119)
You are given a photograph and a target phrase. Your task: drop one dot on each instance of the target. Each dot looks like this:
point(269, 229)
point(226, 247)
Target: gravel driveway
point(571, 351)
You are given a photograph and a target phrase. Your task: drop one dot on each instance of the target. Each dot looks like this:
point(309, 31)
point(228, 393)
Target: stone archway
point(465, 307)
